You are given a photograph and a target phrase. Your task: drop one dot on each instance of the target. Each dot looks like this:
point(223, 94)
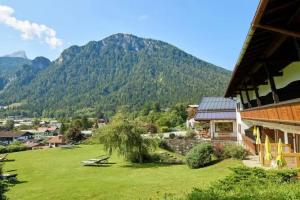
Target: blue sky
point(212, 30)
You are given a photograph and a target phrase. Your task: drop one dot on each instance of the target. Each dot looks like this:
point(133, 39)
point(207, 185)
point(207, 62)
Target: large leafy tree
point(125, 137)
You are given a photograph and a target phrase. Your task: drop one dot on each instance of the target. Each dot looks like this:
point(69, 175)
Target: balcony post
point(272, 84)
point(286, 139)
point(247, 95)
point(242, 98)
point(258, 101)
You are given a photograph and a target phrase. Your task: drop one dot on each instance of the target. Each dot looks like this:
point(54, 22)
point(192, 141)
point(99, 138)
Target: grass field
point(58, 174)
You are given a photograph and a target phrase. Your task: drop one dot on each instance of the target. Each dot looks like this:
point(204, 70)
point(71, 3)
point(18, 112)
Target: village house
point(46, 132)
point(266, 83)
point(7, 137)
point(56, 141)
point(217, 116)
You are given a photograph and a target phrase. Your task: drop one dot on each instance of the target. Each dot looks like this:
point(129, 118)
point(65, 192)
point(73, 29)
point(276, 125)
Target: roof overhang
point(271, 40)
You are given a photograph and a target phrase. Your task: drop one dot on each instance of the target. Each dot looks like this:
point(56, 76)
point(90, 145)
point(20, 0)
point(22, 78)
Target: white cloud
point(143, 17)
point(29, 30)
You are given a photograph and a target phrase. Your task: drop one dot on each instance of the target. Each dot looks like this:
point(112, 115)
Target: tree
point(36, 122)
point(74, 134)
point(125, 137)
point(156, 107)
point(63, 129)
point(9, 124)
point(77, 123)
point(85, 123)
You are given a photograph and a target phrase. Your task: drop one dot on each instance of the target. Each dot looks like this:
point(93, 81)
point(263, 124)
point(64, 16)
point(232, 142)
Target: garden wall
point(182, 146)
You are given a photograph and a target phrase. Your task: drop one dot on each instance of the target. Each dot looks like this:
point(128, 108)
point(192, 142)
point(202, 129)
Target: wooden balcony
point(288, 111)
point(292, 159)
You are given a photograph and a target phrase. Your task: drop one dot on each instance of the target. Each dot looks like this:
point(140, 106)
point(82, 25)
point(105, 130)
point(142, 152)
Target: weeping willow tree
point(125, 137)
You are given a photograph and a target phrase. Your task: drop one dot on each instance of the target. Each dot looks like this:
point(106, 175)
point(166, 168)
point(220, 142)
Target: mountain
point(119, 70)
point(17, 54)
point(8, 67)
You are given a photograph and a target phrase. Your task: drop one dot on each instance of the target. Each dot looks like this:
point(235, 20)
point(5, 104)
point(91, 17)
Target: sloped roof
point(216, 104)
point(213, 108)
point(8, 134)
point(215, 115)
point(57, 139)
point(270, 42)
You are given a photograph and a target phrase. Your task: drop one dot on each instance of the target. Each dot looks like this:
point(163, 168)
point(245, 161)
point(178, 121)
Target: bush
point(164, 145)
point(172, 135)
point(151, 128)
point(200, 155)
point(16, 148)
point(252, 183)
point(165, 129)
point(190, 134)
point(2, 149)
point(234, 151)
point(219, 151)
point(147, 157)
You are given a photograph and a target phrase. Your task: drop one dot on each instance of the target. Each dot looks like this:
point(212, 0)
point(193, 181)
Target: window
point(224, 127)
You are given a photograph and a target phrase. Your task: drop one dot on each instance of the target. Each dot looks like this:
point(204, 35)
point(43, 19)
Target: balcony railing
point(292, 159)
point(287, 111)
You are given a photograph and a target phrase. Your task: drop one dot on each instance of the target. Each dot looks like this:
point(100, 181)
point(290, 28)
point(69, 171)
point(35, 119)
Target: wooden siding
point(289, 112)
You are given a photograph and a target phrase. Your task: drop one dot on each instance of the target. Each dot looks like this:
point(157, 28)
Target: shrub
point(15, 148)
point(218, 151)
point(164, 145)
point(190, 134)
point(172, 135)
point(200, 155)
point(151, 128)
point(234, 151)
point(165, 129)
point(252, 183)
point(2, 149)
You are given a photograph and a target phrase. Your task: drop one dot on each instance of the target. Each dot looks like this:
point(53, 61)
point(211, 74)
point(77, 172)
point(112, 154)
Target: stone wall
point(182, 146)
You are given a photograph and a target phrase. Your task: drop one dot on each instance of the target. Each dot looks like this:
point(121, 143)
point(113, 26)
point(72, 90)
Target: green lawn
point(58, 174)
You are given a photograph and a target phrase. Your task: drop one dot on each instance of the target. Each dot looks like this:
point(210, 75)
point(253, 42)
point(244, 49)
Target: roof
point(212, 108)
point(8, 134)
point(44, 129)
point(215, 115)
point(270, 41)
point(57, 139)
point(217, 104)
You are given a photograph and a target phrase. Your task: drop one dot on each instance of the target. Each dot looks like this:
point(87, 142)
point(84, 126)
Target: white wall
point(290, 73)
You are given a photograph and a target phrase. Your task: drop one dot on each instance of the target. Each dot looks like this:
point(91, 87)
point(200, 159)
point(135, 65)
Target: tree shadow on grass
point(148, 165)
point(212, 163)
point(12, 170)
point(8, 160)
point(101, 165)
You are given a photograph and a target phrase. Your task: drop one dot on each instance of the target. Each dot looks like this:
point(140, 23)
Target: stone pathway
point(253, 161)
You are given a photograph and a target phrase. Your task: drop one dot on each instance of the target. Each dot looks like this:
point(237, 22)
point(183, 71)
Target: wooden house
point(219, 114)
point(266, 80)
point(7, 137)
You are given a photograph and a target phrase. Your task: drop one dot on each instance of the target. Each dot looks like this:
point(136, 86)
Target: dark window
point(224, 127)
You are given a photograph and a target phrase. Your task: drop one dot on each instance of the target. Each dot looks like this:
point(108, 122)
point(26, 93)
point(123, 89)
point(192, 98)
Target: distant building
point(191, 112)
point(7, 137)
point(56, 141)
point(46, 132)
point(219, 114)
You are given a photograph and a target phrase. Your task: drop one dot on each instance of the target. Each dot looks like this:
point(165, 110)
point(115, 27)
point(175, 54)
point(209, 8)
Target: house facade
point(217, 116)
point(266, 81)
point(8, 137)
